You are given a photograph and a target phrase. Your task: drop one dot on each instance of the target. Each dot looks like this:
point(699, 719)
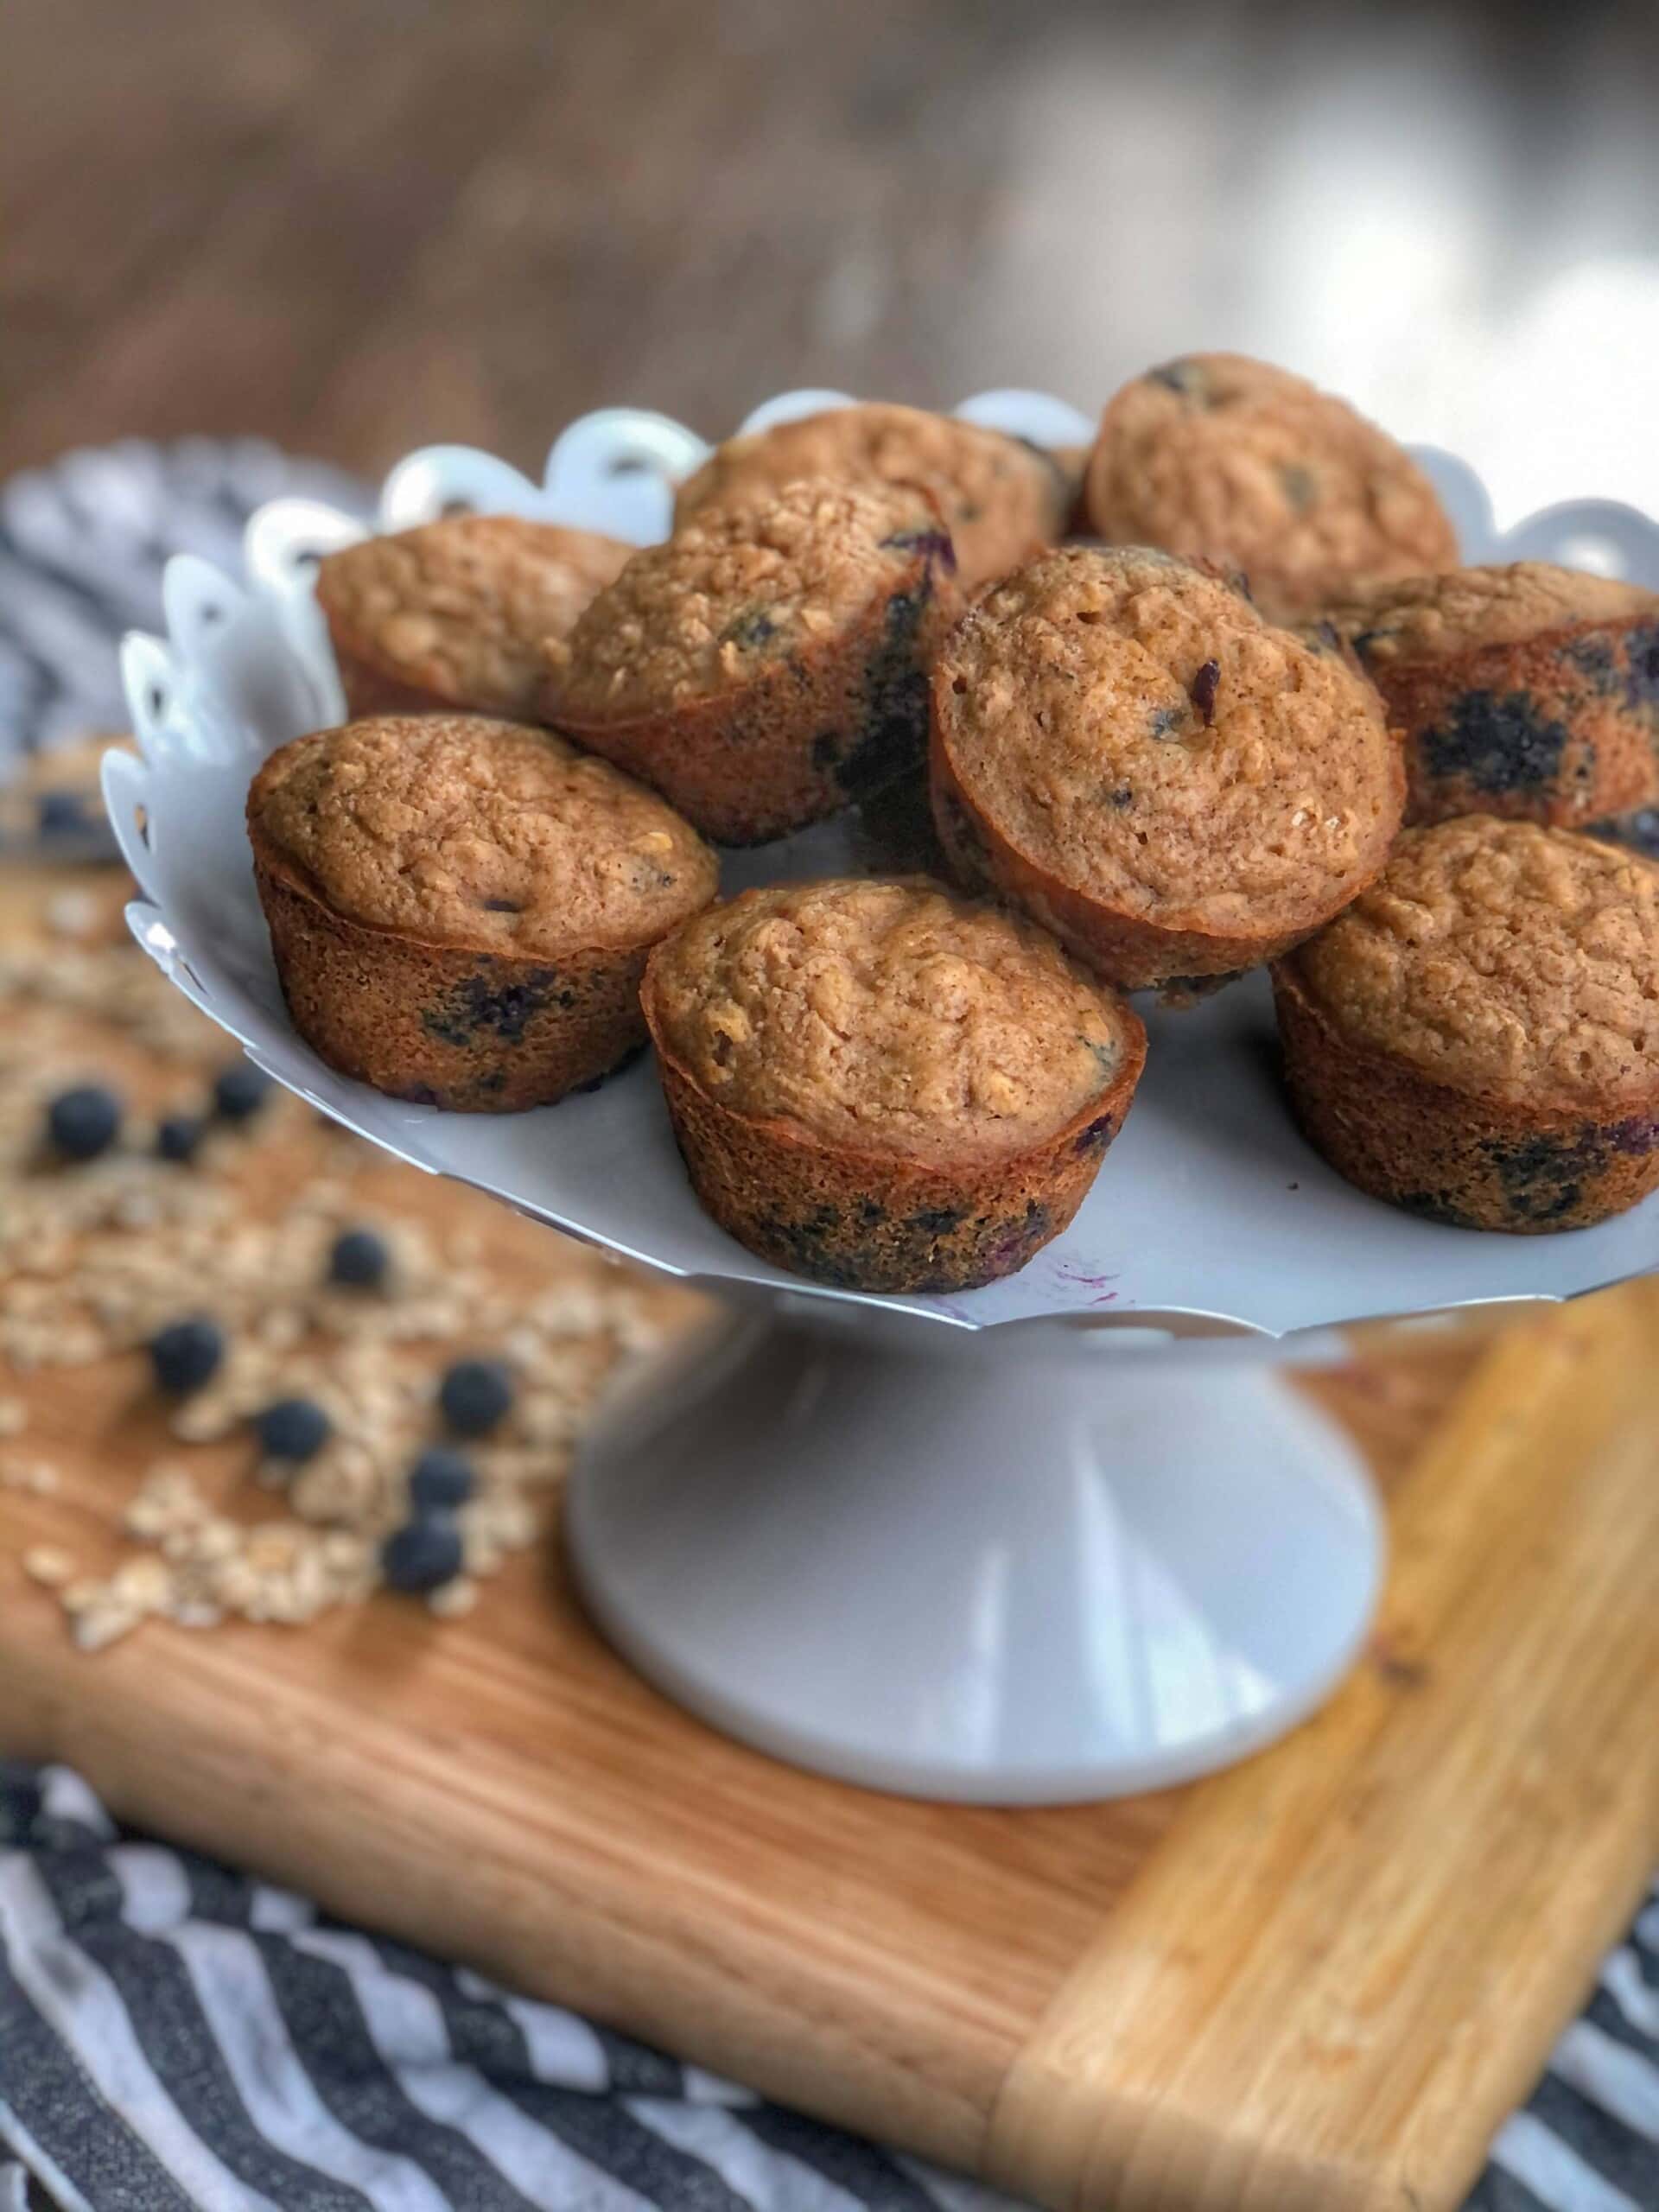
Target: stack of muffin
point(1214, 696)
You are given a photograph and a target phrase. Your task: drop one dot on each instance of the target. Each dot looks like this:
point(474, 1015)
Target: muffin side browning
point(1525, 690)
point(883, 1087)
point(453, 614)
point(1001, 499)
point(1219, 455)
point(1121, 744)
point(1477, 1040)
point(461, 909)
point(768, 663)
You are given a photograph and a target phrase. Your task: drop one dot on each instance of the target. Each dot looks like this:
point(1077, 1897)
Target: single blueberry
point(440, 1479)
point(178, 1137)
point(240, 1090)
point(294, 1428)
point(424, 1554)
point(358, 1258)
point(62, 814)
point(84, 1122)
point(187, 1354)
point(474, 1394)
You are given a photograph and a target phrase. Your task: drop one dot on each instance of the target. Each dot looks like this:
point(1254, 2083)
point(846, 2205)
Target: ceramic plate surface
point(1210, 1215)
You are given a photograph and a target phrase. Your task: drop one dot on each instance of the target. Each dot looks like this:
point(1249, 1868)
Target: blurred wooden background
point(359, 225)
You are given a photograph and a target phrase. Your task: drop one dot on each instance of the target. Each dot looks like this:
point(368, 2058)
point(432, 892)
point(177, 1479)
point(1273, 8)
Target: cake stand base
point(1005, 1573)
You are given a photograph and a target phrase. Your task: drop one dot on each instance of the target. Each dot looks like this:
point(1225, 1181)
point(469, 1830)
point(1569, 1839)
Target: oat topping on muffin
point(1505, 958)
point(460, 608)
point(457, 830)
point(737, 588)
point(1230, 458)
point(1126, 728)
point(1433, 617)
point(1001, 499)
point(886, 1015)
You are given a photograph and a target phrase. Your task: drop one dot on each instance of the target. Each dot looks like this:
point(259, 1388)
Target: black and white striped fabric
point(174, 2038)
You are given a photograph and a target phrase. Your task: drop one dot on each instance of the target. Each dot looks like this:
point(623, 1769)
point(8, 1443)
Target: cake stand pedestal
point(1023, 1573)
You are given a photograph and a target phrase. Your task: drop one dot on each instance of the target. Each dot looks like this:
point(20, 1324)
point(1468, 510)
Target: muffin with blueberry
point(1122, 746)
point(1002, 500)
point(454, 613)
point(769, 663)
point(1528, 690)
point(1254, 468)
point(880, 1086)
point(1477, 1039)
point(461, 909)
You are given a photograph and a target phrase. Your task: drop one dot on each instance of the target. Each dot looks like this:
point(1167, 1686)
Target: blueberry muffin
point(880, 1086)
point(1477, 1039)
point(1253, 467)
point(461, 909)
point(1002, 500)
point(1528, 690)
point(769, 663)
point(1121, 744)
point(454, 613)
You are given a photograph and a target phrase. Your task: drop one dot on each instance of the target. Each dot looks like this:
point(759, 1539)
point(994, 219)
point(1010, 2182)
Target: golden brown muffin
point(1002, 500)
point(454, 613)
point(1527, 690)
point(879, 1085)
point(1122, 745)
point(1477, 1039)
point(1248, 466)
point(769, 663)
point(461, 909)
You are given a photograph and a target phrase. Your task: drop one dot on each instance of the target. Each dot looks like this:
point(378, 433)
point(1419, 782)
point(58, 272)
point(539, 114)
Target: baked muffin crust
point(1502, 958)
point(459, 831)
point(739, 588)
point(459, 608)
point(1390, 623)
point(1001, 500)
point(887, 1017)
point(1136, 732)
point(1219, 455)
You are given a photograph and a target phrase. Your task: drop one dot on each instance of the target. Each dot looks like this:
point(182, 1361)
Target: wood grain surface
point(1318, 1981)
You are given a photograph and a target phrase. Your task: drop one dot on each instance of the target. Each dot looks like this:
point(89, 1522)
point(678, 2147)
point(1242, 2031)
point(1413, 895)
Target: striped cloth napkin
point(175, 2037)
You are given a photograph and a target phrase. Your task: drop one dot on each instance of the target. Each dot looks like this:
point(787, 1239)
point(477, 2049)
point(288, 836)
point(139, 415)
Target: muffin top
point(1001, 499)
point(1417, 619)
point(741, 589)
point(1220, 455)
point(1502, 958)
point(1130, 724)
point(460, 830)
point(887, 1016)
point(460, 607)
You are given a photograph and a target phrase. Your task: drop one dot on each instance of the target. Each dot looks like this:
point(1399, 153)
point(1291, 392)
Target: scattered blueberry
point(359, 1258)
point(84, 1122)
point(186, 1354)
point(293, 1429)
point(178, 1137)
point(474, 1394)
point(440, 1479)
point(424, 1554)
point(62, 814)
point(240, 1090)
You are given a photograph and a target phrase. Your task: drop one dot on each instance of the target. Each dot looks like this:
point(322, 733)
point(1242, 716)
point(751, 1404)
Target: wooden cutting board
point(1318, 1981)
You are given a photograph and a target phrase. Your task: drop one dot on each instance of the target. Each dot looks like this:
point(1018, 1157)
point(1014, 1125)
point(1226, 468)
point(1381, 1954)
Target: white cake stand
point(1065, 1537)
